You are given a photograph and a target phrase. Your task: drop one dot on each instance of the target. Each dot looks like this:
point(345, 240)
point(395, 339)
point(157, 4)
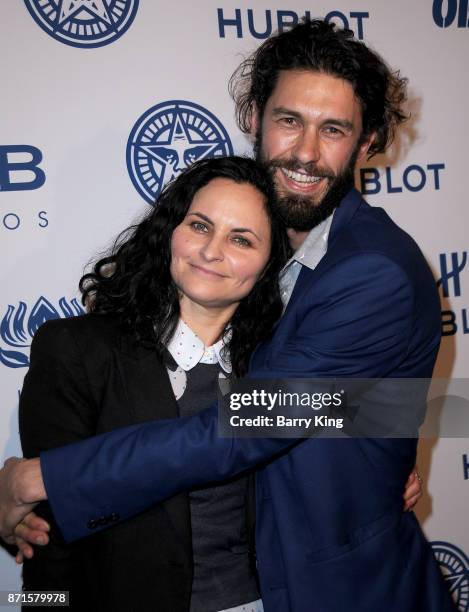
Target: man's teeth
point(301, 178)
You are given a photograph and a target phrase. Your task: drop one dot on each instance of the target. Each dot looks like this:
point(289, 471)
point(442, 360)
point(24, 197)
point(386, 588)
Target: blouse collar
point(187, 349)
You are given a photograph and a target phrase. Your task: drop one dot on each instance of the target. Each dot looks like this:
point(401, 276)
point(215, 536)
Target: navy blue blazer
point(331, 535)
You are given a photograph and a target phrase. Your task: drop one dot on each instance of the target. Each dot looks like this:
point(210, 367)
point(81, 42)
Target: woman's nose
point(212, 250)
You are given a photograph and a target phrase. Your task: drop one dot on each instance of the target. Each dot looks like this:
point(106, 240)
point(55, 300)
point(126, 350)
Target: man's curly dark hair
point(134, 279)
point(322, 47)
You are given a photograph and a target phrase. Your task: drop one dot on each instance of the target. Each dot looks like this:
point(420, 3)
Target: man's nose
point(212, 250)
point(307, 146)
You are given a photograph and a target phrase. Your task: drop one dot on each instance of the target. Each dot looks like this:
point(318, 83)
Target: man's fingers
point(25, 550)
point(35, 522)
point(31, 536)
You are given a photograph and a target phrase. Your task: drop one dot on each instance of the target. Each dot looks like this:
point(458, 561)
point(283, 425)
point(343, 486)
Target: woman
point(182, 299)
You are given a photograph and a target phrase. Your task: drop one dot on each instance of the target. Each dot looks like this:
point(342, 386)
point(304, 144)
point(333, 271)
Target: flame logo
point(17, 330)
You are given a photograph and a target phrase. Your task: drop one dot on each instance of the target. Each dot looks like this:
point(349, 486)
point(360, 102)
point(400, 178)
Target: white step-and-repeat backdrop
point(104, 101)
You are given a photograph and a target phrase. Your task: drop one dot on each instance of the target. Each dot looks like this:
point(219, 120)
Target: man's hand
point(21, 488)
point(413, 490)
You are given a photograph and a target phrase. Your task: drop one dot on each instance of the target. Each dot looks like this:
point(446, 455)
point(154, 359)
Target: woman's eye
point(242, 241)
point(199, 226)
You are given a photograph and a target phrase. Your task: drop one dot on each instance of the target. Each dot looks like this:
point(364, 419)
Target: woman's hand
point(413, 490)
point(32, 530)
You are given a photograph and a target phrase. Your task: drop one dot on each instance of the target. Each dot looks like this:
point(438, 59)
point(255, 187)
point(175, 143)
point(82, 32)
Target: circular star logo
point(168, 138)
point(455, 567)
point(83, 23)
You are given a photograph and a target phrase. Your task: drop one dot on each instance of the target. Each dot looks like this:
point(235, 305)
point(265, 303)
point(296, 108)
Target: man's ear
point(254, 123)
point(365, 145)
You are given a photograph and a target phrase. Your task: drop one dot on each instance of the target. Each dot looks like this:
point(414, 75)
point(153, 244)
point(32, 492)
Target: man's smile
point(300, 182)
point(299, 177)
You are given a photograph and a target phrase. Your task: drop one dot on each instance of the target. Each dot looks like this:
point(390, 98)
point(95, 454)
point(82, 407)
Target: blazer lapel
point(342, 216)
point(344, 213)
point(150, 396)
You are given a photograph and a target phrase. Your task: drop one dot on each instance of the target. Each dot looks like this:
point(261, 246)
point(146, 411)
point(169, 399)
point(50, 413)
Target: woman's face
point(223, 244)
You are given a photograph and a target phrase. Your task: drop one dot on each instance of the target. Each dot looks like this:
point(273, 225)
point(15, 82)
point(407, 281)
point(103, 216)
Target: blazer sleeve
point(366, 316)
point(55, 409)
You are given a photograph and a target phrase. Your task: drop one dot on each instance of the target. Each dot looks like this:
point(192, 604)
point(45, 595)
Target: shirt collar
point(187, 349)
point(313, 248)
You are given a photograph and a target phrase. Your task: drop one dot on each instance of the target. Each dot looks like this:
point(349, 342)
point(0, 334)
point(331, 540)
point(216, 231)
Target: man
point(360, 302)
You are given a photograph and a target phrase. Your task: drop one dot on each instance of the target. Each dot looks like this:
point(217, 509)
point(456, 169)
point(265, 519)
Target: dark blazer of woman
point(87, 377)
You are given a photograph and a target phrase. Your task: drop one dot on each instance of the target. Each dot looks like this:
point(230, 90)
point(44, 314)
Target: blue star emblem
point(167, 139)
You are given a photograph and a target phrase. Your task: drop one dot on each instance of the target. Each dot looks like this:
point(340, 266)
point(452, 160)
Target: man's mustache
point(296, 165)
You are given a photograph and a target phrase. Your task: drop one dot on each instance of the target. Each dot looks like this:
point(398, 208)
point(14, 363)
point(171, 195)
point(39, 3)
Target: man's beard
point(302, 213)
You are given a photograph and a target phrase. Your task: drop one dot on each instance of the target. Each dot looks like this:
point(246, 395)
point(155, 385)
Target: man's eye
point(333, 131)
point(289, 121)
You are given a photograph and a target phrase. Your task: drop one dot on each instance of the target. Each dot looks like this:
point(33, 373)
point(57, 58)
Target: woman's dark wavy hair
point(134, 279)
point(322, 47)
